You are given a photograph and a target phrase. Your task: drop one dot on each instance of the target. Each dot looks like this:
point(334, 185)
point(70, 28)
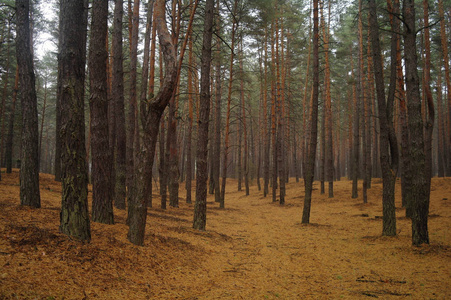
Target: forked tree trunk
point(388, 144)
point(151, 112)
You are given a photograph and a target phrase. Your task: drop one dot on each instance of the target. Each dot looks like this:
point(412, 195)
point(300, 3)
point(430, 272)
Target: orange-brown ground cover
point(253, 249)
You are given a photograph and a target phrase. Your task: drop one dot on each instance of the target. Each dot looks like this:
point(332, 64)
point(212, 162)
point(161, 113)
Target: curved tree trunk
point(151, 112)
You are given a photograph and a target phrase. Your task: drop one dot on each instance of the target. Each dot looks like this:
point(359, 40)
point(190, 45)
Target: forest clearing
point(252, 249)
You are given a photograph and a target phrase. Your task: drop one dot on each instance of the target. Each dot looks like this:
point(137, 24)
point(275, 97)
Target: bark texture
point(102, 202)
point(29, 170)
point(418, 189)
point(200, 207)
point(118, 103)
point(74, 219)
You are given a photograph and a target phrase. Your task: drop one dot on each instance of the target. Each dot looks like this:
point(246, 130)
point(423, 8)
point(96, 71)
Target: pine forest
point(225, 149)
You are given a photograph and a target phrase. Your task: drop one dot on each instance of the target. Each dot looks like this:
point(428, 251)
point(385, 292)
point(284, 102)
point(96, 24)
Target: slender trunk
point(117, 90)
point(440, 128)
point(310, 161)
point(329, 147)
point(189, 169)
point(132, 106)
point(363, 100)
point(266, 135)
point(9, 137)
point(274, 99)
point(4, 94)
point(217, 137)
point(355, 137)
point(281, 115)
point(200, 208)
point(444, 48)
point(229, 100)
point(430, 114)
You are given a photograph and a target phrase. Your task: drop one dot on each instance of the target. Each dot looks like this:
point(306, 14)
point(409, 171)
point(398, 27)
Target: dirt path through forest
point(253, 249)
point(341, 254)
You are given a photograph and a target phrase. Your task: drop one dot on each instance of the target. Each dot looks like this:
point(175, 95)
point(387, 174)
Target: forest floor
point(252, 249)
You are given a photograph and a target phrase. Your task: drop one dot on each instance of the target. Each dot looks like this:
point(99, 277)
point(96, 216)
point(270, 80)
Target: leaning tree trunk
point(29, 170)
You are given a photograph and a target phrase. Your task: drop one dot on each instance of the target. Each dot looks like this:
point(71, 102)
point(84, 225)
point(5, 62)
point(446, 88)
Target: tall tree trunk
point(217, 138)
point(74, 217)
point(200, 207)
point(189, 168)
point(444, 48)
point(388, 144)
point(151, 112)
point(162, 168)
point(430, 114)
point(44, 106)
point(418, 189)
point(9, 137)
point(309, 171)
point(102, 202)
point(29, 170)
point(281, 114)
point(132, 106)
point(266, 135)
point(355, 137)
point(229, 100)
point(274, 90)
point(4, 94)
point(145, 76)
point(118, 102)
point(440, 128)
point(329, 147)
point(363, 100)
